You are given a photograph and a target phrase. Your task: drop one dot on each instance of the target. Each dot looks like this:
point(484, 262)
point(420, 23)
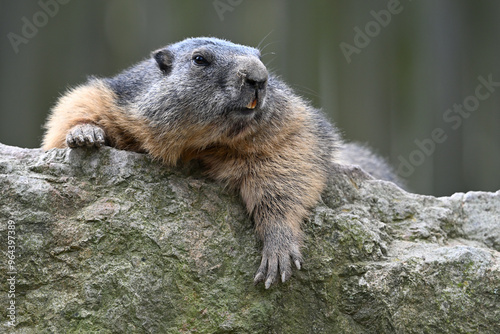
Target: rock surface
point(111, 241)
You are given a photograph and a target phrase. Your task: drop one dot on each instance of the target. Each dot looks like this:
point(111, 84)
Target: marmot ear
point(164, 58)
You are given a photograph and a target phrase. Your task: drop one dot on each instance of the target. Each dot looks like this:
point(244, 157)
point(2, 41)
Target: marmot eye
point(200, 61)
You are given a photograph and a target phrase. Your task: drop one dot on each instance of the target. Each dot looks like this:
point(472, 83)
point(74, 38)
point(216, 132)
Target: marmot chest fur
point(210, 99)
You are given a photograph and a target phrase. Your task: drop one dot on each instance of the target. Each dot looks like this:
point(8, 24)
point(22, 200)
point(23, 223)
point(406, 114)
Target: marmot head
point(212, 81)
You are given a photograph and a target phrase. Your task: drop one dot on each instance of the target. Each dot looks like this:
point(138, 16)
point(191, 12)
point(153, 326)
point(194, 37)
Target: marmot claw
point(274, 260)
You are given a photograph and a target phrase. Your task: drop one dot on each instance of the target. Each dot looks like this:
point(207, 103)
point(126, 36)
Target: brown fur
point(92, 104)
point(255, 168)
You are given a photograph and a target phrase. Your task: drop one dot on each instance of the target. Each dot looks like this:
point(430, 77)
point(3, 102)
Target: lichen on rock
point(111, 241)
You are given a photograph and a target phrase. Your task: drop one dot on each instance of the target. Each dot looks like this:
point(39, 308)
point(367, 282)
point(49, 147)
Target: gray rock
point(111, 241)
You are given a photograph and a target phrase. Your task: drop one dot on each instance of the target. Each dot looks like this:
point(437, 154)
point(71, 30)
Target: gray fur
point(363, 156)
point(210, 94)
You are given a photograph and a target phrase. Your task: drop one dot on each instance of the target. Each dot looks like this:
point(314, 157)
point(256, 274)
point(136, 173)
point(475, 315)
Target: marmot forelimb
point(212, 100)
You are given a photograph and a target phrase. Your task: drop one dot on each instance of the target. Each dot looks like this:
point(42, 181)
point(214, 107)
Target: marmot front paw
point(274, 257)
point(86, 135)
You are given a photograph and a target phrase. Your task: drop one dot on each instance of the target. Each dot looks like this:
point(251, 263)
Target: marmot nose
point(256, 77)
point(254, 73)
point(256, 84)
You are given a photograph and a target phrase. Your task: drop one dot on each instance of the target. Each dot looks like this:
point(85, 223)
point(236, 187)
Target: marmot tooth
point(252, 104)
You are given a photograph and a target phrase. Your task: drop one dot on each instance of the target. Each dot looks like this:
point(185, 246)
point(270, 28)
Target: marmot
point(212, 100)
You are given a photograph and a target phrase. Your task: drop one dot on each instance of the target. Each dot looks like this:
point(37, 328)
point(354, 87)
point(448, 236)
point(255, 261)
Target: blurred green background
point(388, 73)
